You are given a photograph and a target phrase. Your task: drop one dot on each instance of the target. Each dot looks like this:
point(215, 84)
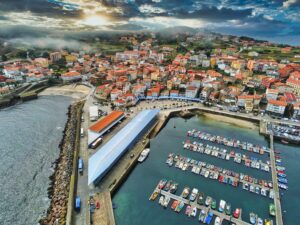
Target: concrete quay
point(279, 220)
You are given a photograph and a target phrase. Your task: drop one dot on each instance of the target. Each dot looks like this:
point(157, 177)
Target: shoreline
point(227, 119)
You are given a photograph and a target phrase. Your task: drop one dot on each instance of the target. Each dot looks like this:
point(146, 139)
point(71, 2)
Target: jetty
point(207, 209)
point(279, 220)
point(237, 179)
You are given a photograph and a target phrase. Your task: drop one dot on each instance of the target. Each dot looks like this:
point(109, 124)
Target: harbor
point(160, 152)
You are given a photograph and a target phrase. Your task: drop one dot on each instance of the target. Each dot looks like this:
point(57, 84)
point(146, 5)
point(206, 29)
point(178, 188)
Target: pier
point(279, 220)
point(207, 209)
point(225, 175)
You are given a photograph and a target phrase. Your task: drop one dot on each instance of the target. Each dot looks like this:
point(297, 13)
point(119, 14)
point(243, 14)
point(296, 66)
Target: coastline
point(58, 191)
point(72, 90)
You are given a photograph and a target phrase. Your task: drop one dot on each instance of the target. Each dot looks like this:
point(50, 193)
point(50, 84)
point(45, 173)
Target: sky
point(274, 20)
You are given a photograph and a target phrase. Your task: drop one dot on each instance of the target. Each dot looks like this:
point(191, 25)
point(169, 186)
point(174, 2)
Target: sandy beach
point(234, 121)
point(74, 91)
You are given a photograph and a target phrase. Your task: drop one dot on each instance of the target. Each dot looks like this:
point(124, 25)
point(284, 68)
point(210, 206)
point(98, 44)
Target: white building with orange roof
point(276, 107)
point(71, 76)
point(296, 114)
point(272, 94)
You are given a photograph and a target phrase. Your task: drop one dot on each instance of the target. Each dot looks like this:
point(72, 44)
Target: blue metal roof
point(107, 155)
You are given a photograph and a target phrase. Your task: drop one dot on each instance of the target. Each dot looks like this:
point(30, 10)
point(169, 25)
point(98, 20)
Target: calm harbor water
point(134, 208)
point(29, 137)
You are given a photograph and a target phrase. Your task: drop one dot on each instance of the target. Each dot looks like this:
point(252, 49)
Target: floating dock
point(220, 153)
point(237, 179)
point(207, 209)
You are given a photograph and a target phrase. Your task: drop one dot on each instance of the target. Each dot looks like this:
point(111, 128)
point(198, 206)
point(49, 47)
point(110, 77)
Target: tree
point(4, 58)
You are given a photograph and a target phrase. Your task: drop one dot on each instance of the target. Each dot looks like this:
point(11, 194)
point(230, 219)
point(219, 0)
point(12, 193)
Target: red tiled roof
point(106, 121)
point(276, 102)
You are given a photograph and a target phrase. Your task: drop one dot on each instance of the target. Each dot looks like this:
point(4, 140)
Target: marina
point(254, 206)
point(206, 211)
point(234, 143)
point(226, 155)
point(225, 176)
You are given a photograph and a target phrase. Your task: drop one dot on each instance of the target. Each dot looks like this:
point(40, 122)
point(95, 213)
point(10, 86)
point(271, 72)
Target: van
point(81, 132)
point(80, 166)
point(77, 204)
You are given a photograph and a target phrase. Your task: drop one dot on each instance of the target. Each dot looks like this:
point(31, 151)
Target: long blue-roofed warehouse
point(107, 155)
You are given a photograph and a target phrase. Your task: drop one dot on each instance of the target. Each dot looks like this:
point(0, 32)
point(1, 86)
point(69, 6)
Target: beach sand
point(74, 91)
point(231, 120)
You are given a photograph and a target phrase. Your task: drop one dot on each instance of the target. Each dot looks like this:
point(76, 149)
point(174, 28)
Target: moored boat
point(202, 215)
point(259, 221)
point(236, 213)
point(168, 185)
point(174, 204)
point(252, 218)
point(208, 200)
point(217, 221)
point(188, 210)
point(194, 211)
point(153, 196)
point(208, 218)
point(161, 200)
point(194, 194)
point(162, 183)
point(200, 199)
point(144, 155)
point(173, 188)
point(272, 209)
point(179, 207)
point(213, 204)
point(228, 209)
point(185, 193)
point(222, 205)
point(166, 202)
point(268, 222)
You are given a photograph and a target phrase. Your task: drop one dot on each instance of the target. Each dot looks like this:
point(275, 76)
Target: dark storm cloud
point(37, 7)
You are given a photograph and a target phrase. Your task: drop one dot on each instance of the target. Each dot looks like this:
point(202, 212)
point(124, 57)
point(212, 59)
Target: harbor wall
point(60, 180)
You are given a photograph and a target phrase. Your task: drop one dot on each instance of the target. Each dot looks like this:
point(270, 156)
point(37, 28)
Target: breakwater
point(59, 188)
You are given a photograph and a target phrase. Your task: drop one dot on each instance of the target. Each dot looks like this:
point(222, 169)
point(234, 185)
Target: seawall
point(59, 188)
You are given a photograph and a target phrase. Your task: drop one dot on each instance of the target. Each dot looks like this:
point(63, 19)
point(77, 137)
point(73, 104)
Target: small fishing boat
point(194, 194)
point(166, 202)
point(174, 204)
point(208, 200)
point(173, 188)
point(236, 213)
point(253, 218)
point(168, 185)
point(272, 209)
point(179, 207)
point(214, 204)
point(162, 183)
point(185, 193)
point(209, 218)
point(202, 215)
point(217, 221)
point(222, 205)
point(260, 221)
point(200, 199)
point(228, 209)
point(268, 222)
point(153, 196)
point(161, 200)
point(188, 210)
point(194, 211)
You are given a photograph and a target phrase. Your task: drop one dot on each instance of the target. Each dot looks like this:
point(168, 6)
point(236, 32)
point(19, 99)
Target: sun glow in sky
point(95, 21)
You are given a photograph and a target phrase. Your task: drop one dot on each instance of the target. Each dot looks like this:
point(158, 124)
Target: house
point(296, 114)
point(276, 108)
point(248, 102)
point(191, 92)
point(71, 76)
point(174, 93)
point(295, 84)
point(114, 94)
point(272, 94)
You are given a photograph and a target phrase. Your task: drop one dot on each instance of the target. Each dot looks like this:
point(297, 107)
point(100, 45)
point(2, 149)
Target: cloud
point(288, 3)
point(53, 43)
